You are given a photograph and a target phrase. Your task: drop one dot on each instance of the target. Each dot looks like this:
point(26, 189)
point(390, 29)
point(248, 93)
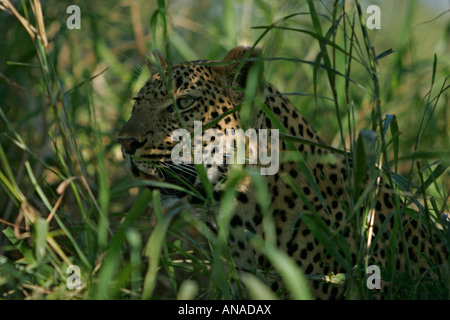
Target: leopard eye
point(185, 103)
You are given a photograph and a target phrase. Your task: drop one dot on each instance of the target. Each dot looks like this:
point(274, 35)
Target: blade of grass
point(257, 290)
point(154, 247)
point(292, 275)
point(113, 257)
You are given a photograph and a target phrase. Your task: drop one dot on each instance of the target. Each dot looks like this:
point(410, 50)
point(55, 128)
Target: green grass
point(66, 198)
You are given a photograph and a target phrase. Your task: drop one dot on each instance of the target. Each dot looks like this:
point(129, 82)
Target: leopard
point(316, 186)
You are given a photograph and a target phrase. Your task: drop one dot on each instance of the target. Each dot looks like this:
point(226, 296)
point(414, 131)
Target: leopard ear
point(239, 59)
point(155, 58)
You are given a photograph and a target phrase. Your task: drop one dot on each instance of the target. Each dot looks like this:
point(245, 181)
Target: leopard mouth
point(145, 176)
point(178, 177)
point(137, 173)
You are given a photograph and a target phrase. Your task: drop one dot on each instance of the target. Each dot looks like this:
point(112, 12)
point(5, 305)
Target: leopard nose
point(130, 145)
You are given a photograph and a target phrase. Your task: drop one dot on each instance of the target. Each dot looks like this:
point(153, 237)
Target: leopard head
point(199, 91)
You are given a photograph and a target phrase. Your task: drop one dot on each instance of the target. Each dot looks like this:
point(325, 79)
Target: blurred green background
point(94, 72)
